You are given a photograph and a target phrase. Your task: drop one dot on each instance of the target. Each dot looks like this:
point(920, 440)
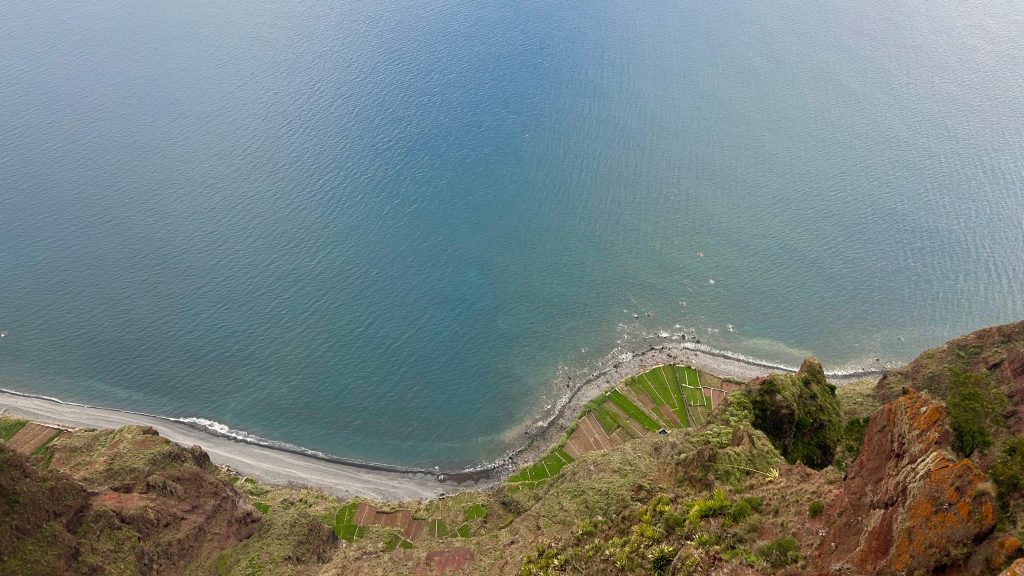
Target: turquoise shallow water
point(379, 230)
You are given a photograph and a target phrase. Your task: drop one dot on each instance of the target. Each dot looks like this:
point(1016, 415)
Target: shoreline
point(542, 435)
point(280, 463)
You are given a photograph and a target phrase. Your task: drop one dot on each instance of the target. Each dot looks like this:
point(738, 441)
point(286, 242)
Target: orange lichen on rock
point(1005, 548)
point(1015, 569)
point(908, 502)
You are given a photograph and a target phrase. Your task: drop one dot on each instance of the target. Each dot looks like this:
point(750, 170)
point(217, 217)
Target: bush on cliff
point(1008, 471)
point(800, 414)
point(975, 411)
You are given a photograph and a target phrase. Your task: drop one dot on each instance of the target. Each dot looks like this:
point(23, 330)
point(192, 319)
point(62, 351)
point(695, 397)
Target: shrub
point(975, 411)
point(780, 553)
point(661, 559)
point(815, 509)
point(755, 502)
point(1008, 469)
point(542, 561)
point(673, 523)
point(739, 512)
point(853, 437)
point(717, 505)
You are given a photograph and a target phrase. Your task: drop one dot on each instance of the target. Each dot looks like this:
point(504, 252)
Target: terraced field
point(663, 398)
point(31, 438)
point(355, 518)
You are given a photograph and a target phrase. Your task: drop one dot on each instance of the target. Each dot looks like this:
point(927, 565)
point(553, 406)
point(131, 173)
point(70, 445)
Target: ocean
point(388, 231)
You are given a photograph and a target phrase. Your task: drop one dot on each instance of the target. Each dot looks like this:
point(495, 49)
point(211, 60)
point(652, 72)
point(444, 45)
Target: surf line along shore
point(343, 478)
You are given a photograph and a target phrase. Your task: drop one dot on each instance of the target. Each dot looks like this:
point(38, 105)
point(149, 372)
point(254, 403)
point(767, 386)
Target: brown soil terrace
point(400, 520)
point(31, 437)
point(447, 560)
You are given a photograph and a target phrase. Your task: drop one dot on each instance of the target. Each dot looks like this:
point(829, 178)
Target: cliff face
point(37, 513)
point(908, 505)
point(116, 502)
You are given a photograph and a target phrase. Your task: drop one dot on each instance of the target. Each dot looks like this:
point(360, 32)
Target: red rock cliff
point(908, 504)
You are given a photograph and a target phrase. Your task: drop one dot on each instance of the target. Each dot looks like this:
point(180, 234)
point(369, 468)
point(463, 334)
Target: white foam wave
point(221, 429)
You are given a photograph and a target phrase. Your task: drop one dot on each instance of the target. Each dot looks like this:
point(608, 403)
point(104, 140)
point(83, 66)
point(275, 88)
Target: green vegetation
point(657, 379)
point(344, 523)
point(740, 511)
point(476, 512)
point(45, 451)
point(975, 411)
point(800, 414)
point(661, 558)
point(1007, 472)
point(780, 553)
point(717, 505)
point(394, 541)
point(662, 535)
point(263, 507)
point(815, 508)
point(646, 389)
point(678, 398)
point(669, 386)
point(852, 440)
point(694, 396)
point(537, 474)
point(10, 426)
point(437, 529)
point(608, 420)
point(632, 410)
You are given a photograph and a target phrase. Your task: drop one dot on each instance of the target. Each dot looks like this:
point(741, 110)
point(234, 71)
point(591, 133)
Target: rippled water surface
point(379, 229)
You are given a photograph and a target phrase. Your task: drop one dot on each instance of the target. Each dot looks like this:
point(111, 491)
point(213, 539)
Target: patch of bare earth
point(441, 561)
point(400, 520)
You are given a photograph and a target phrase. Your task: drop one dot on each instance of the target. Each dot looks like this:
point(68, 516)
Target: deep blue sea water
point(379, 229)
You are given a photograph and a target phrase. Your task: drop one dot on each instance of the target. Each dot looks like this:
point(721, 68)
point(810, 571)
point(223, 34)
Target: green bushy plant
point(815, 508)
point(975, 411)
point(1008, 470)
point(780, 553)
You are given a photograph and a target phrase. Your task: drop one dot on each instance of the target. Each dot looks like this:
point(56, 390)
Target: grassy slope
point(10, 426)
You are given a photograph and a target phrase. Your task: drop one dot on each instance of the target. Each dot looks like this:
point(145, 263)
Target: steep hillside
point(116, 502)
